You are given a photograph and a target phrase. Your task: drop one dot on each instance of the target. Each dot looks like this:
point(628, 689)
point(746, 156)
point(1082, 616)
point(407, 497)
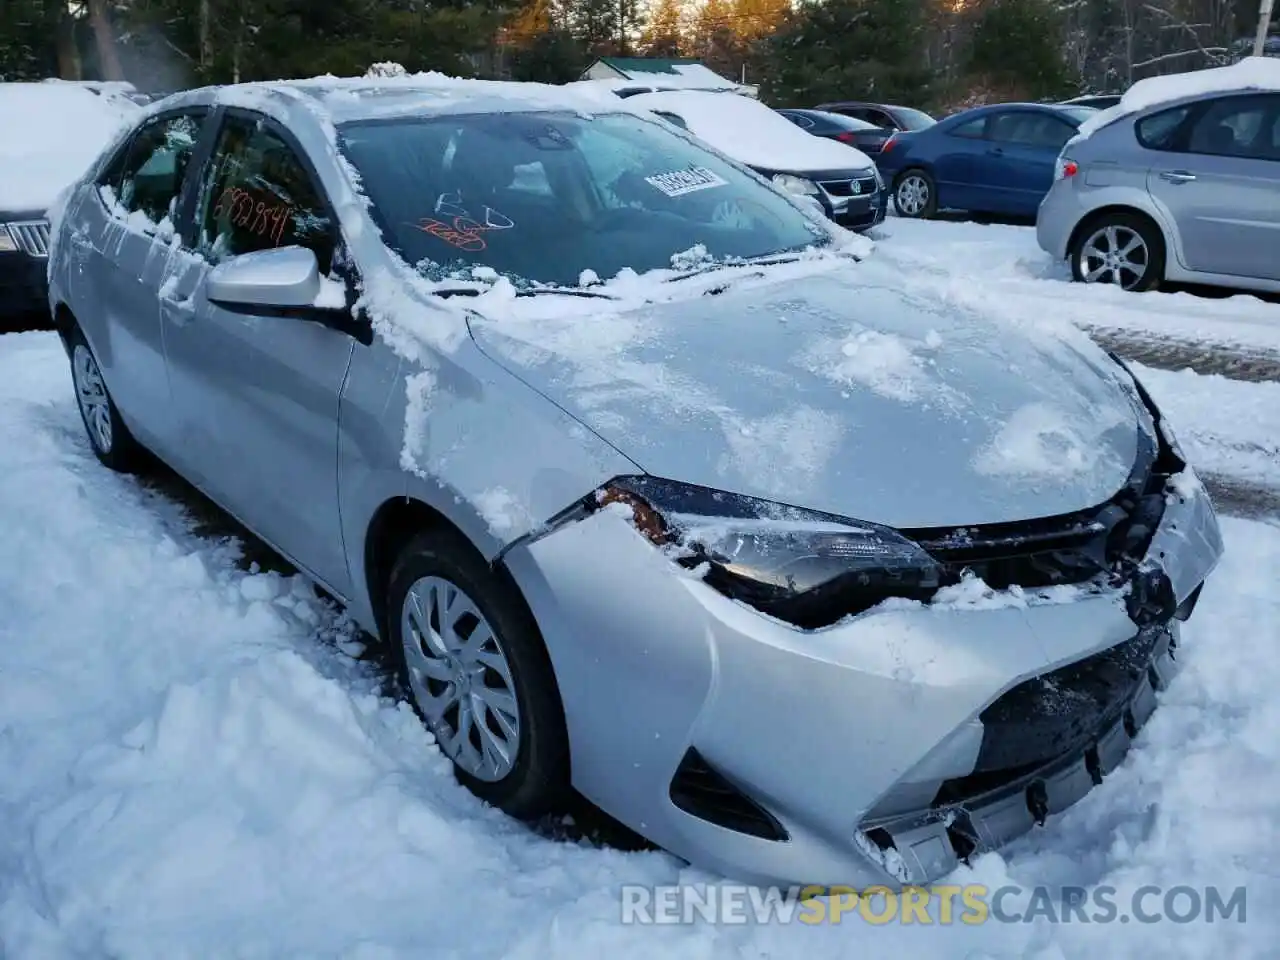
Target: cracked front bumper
point(861, 740)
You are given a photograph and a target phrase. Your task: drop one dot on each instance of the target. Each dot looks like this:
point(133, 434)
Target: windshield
point(914, 119)
point(1079, 114)
point(543, 197)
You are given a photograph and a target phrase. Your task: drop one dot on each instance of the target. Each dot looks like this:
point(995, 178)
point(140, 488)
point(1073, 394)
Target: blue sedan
point(996, 159)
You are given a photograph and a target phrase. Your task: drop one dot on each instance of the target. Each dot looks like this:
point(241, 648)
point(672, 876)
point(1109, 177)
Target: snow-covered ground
point(1001, 269)
point(191, 766)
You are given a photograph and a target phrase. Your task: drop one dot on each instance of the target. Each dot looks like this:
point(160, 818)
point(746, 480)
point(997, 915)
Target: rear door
point(1024, 147)
point(1220, 180)
point(958, 152)
point(121, 246)
point(256, 395)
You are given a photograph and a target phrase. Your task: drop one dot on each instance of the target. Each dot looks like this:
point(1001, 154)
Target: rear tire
point(1121, 248)
point(109, 438)
point(915, 195)
point(471, 659)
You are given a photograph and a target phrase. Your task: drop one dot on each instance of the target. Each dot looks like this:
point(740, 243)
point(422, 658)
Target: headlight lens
point(7, 243)
point(797, 185)
point(806, 568)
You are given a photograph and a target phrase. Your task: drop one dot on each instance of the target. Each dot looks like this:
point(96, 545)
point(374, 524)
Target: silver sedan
point(656, 486)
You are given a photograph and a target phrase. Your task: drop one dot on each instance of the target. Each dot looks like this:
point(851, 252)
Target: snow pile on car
point(53, 133)
point(1251, 73)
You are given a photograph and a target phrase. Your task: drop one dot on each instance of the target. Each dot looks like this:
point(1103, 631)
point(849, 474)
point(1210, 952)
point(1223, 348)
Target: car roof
point(344, 100)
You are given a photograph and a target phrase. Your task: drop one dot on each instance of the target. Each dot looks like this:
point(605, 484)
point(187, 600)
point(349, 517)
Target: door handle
point(181, 312)
point(996, 151)
point(1177, 176)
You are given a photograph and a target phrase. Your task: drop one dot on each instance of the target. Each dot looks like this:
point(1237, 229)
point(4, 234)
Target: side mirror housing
point(285, 277)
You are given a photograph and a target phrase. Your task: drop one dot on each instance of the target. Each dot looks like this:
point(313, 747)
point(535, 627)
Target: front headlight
point(806, 568)
point(797, 185)
point(7, 243)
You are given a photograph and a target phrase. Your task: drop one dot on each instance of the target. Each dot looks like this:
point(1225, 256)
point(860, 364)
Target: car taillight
point(889, 144)
point(1065, 168)
point(844, 136)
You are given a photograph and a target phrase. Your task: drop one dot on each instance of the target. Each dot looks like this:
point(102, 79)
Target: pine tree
point(664, 33)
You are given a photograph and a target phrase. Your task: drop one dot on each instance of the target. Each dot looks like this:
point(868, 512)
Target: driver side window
point(259, 195)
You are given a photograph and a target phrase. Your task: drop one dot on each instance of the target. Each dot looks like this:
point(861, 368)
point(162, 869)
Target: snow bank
point(52, 134)
point(1251, 73)
point(192, 768)
point(750, 132)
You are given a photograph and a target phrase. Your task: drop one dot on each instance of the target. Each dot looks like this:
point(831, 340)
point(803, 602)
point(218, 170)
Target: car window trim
point(342, 249)
point(202, 111)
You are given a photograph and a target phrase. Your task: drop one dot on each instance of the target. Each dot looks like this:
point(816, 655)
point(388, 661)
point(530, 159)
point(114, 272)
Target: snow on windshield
point(1251, 73)
point(52, 133)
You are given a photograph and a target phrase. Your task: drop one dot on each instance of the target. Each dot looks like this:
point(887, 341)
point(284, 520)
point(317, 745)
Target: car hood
point(839, 391)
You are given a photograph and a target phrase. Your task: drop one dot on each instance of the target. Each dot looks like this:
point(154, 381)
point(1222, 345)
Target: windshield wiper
point(532, 292)
point(768, 260)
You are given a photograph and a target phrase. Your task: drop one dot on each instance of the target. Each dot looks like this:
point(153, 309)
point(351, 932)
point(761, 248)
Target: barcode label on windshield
point(679, 182)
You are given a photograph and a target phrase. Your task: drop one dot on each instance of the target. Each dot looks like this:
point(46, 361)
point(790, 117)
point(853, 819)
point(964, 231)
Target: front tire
point(472, 661)
point(1119, 248)
point(915, 195)
point(110, 439)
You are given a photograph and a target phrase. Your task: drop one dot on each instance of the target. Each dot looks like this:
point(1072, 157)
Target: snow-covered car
point(840, 178)
point(53, 132)
point(654, 484)
point(1178, 182)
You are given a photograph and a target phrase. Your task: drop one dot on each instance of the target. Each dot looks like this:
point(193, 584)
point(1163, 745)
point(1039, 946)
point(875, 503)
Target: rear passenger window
point(258, 196)
point(1238, 126)
point(1160, 131)
point(973, 130)
point(148, 180)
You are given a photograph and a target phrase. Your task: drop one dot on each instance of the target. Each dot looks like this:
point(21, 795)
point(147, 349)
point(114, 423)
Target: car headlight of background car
point(797, 185)
point(7, 242)
point(806, 568)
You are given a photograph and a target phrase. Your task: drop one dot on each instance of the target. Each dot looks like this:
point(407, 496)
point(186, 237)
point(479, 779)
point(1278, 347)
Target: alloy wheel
point(461, 678)
point(912, 196)
point(1115, 254)
point(91, 394)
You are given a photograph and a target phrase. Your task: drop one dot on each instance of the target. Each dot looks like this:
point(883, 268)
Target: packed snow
point(195, 768)
point(750, 132)
point(1250, 73)
point(39, 159)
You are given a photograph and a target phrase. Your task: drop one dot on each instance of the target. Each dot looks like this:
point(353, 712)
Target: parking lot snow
point(1002, 271)
point(193, 769)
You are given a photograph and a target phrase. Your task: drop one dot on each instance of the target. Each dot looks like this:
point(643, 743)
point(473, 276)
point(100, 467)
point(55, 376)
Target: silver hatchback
point(655, 486)
point(1186, 191)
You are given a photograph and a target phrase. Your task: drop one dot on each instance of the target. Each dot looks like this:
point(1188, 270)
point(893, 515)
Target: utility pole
point(1264, 25)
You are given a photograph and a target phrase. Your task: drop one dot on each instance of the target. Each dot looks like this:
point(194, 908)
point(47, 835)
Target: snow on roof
point(750, 132)
point(54, 132)
point(1251, 73)
point(668, 72)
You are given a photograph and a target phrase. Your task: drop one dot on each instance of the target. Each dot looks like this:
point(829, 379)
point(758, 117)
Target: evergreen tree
point(849, 50)
point(1016, 49)
point(664, 33)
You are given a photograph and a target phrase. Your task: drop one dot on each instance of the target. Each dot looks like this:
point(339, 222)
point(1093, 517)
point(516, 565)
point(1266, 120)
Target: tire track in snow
point(1203, 356)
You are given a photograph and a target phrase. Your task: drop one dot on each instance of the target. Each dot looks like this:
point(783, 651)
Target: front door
point(256, 396)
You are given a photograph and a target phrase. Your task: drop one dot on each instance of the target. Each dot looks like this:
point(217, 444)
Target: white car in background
point(53, 131)
point(839, 178)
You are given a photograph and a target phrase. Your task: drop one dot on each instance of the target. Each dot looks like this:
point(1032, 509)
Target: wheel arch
point(1095, 216)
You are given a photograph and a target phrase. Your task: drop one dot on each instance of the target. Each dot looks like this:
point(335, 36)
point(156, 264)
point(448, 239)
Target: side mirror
point(286, 283)
point(285, 277)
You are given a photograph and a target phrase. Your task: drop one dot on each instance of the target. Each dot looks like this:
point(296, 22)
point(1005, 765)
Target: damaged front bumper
point(886, 748)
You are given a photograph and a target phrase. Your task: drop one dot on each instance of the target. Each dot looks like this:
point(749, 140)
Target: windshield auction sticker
point(679, 182)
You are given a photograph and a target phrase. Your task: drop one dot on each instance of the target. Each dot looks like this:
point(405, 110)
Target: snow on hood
point(53, 134)
point(1251, 73)
point(751, 133)
point(828, 385)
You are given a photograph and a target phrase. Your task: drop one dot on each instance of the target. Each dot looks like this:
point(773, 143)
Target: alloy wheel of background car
point(110, 439)
point(1121, 250)
point(914, 195)
point(471, 659)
